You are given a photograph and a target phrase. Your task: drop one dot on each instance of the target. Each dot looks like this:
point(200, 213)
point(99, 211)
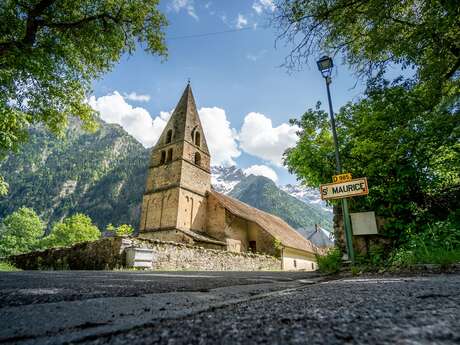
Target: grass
point(439, 256)
point(7, 267)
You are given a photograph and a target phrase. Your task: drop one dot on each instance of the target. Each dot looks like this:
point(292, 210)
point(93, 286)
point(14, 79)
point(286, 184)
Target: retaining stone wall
point(108, 253)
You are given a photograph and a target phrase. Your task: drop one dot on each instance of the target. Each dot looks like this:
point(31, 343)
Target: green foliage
point(408, 151)
point(374, 35)
point(3, 186)
point(7, 267)
point(98, 174)
point(122, 230)
point(331, 262)
point(51, 51)
point(438, 243)
point(20, 232)
point(75, 229)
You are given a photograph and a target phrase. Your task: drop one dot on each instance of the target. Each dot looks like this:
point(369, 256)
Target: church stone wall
point(194, 178)
point(192, 211)
point(215, 222)
point(159, 209)
point(163, 176)
point(189, 151)
point(264, 241)
point(236, 228)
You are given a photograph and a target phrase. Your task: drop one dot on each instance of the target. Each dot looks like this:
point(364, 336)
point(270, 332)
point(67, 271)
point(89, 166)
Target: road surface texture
point(226, 308)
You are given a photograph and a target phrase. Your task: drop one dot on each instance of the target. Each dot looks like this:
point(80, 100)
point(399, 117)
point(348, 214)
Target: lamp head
point(325, 65)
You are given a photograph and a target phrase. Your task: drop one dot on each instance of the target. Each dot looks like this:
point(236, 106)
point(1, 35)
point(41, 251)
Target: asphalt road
point(226, 308)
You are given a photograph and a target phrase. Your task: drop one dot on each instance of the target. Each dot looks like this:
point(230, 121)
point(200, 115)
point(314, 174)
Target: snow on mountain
point(224, 179)
point(306, 194)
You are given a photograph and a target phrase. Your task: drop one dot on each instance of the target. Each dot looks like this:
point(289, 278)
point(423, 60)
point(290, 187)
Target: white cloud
point(221, 138)
point(258, 137)
point(261, 170)
point(133, 96)
point(187, 5)
point(256, 56)
point(241, 21)
point(263, 5)
point(137, 121)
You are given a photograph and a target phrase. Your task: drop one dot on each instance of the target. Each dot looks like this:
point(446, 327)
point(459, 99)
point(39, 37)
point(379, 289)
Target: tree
point(51, 51)
point(74, 229)
point(20, 232)
point(373, 35)
point(122, 230)
point(410, 156)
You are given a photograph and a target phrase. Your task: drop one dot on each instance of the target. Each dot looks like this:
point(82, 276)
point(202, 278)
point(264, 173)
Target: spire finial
point(188, 81)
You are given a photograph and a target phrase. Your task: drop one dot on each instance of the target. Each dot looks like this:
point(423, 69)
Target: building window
point(163, 157)
point(170, 154)
point(169, 136)
point(197, 139)
point(295, 263)
point(252, 246)
point(197, 158)
point(312, 266)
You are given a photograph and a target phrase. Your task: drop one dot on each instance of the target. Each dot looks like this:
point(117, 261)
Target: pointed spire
point(185, 120)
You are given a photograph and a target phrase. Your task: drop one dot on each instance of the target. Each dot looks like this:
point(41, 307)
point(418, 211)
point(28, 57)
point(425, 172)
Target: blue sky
point(245, 98)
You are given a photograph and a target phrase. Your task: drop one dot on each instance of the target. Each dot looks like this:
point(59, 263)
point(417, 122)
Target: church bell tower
point(178, 177)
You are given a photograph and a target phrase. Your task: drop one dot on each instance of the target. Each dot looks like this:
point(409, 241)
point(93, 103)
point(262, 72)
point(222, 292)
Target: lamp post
point(325, 65)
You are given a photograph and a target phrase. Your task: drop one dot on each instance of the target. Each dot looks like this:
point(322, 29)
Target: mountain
point(100, 174)
point(103, 174)
point(307, 195)
point(262, 193)
point(224, 179)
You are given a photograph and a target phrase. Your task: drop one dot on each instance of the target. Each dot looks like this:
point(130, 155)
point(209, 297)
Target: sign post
point(346, 189)
point(344, 186)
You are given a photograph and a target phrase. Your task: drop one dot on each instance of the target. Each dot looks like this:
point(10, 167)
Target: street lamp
point(325, 65)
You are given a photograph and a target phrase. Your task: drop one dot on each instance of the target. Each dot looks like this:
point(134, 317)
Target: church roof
point(185, 120)
point(275, 226)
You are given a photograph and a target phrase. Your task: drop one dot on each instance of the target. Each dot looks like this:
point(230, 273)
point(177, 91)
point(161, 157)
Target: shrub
point(438, 243)
point(7, 267)
point(75, 229)
point(331, 262)
point(20, 232)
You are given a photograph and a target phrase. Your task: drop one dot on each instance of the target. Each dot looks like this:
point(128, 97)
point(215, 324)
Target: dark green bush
point(331, 262)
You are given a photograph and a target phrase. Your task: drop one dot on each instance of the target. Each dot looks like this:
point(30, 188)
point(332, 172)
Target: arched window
point(169, 136)
point(197, 139)
point(163, 157)
point(197, 158)
point(170, 153)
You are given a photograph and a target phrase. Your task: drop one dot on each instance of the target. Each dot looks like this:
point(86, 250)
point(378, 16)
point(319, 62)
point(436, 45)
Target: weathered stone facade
point(179, 204)
point(109, 253)
point(179, 174)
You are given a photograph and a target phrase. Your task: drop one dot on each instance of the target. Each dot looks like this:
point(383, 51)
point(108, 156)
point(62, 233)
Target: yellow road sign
point(341, 178)
point(342, 190)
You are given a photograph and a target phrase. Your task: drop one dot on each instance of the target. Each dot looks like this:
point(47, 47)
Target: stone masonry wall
point(108, 253)
point(174, 256)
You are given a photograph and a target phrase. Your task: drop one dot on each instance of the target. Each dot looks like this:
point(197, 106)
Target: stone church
point(180, 205)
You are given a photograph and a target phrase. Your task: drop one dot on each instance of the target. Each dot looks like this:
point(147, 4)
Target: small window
point(197, 139)
point(252, 246)
point(169, 136)
point(312, 266)
point(163, 157)
point(170, 154)
point(295, 263)
point(197, 158)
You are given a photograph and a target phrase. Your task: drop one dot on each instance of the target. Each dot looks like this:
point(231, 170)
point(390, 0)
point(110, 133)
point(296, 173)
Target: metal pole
point(345, 214)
